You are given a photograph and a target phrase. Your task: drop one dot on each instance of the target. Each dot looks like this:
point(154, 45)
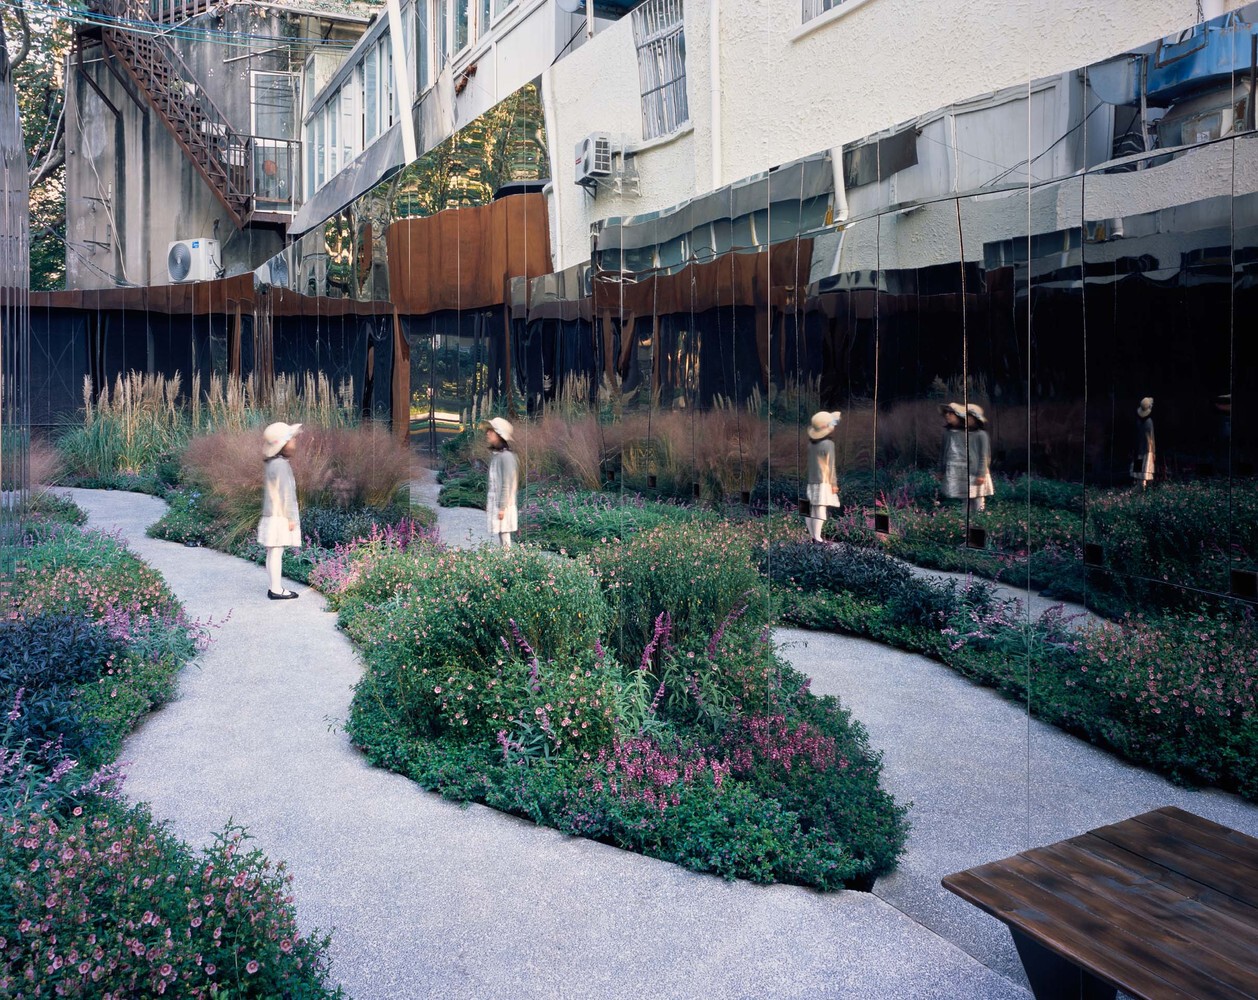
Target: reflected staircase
point(221, 154)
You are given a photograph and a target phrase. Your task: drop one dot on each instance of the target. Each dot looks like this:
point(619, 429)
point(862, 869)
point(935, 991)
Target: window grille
point(815, 8)
point(659, 34)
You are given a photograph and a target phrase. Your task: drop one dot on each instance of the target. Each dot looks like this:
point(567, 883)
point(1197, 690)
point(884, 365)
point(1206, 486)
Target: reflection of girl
point(822, 478)
point(981, 486)
point(1145, 451)
point(504, 481)
point(953, 456)
point(280, 526)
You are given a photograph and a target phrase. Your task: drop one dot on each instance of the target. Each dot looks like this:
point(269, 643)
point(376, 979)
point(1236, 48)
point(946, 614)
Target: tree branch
point(56, 151)
point(24, 49)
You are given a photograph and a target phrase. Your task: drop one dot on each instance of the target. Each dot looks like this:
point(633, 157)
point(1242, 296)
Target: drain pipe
point(841, 208)
point(550, 191)
point(714, 69)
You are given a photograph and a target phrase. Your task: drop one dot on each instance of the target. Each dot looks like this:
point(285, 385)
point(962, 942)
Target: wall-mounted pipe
point(714, 68)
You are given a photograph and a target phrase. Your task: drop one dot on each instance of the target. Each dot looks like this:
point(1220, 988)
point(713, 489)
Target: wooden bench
point(1162, 906)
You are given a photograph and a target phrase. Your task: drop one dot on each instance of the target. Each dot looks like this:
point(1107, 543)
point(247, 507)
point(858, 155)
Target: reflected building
point(677, 208)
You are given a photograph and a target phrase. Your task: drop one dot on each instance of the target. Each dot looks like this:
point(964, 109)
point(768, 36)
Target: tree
point(38, 43)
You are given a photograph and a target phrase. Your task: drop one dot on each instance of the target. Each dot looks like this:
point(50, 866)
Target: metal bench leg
point(1054, 978)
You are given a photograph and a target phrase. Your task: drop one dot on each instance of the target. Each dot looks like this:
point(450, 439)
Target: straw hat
point(276, 436)
point(1145, 407)
point(954, 408)
point(976, 412)
point(823, 423)
point(503, 428)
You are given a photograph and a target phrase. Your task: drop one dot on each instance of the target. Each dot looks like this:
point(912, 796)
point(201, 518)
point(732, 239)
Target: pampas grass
point(146, 419)
point(333, 466)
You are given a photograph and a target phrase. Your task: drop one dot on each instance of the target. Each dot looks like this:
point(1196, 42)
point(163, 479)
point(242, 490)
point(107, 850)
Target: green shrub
point(864, 571)
point(43, 660)
point(105, 902)
point(701, 575)
point(468, 642)
point(468, 490)
point(189, 518)
point(579, 520)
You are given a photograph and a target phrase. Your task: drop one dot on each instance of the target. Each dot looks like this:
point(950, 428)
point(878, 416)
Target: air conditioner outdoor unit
point(594, 158)
point(192, 260)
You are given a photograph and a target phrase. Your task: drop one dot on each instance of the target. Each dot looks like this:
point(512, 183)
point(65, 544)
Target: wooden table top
point(1163, 905)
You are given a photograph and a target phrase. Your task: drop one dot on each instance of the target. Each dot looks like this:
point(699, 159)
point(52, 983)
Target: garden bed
point(96, 898)
point(631, 696)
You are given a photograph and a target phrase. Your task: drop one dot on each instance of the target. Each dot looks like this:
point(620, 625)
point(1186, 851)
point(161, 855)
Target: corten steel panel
point(732, 279)
point(462, 258)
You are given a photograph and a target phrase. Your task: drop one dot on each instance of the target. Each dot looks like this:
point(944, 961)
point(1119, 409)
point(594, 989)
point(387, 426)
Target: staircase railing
point(221, 154)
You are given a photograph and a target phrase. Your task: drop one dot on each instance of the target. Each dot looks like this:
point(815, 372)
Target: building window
point(371, 95)
point(276, 100)
point(661, 41)
point(815, 8)
point(423, 42)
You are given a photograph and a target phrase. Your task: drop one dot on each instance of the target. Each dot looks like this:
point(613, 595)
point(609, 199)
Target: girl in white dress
point(504, 481)
point(280, 526)
point(822, 476)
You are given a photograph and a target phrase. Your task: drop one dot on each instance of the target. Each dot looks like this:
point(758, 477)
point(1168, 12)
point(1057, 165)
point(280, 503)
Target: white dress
point(279, 506)
point(504, 481)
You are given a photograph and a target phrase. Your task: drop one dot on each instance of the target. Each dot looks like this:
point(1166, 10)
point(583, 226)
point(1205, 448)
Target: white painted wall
point(788, 90)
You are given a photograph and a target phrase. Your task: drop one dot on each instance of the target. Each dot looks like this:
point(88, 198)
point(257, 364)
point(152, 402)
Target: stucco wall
point(788, 90)
point(130, 189)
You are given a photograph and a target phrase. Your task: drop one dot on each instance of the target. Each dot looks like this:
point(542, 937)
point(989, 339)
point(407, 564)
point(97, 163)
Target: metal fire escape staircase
point(222, 155)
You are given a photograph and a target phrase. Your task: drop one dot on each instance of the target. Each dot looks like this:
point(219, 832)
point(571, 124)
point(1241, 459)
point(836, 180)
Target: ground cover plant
point(97, 899)
point(623, 696)
point(1172, 690)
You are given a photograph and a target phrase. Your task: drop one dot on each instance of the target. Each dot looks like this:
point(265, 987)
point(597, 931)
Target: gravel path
point(429, 899)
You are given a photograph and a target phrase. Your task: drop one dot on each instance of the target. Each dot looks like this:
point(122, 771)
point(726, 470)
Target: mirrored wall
point(1031, 310)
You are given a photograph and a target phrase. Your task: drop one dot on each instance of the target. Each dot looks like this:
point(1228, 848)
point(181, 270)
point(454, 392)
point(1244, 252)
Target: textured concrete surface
point(428, 899)
point(985, 781)
point(461, 527)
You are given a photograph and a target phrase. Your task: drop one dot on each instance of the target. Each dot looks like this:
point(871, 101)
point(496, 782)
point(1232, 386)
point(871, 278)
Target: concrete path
point(432, 900)
point(428, 899)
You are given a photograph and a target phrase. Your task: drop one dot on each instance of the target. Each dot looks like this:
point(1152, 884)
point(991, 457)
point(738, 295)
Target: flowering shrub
point(1177, 691)
point(105, 903)
point(488, 679)
point(483, 641)
point(700, 574)
point(336, 571)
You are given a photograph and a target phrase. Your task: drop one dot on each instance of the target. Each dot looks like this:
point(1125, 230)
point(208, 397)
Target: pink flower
point(252, 967)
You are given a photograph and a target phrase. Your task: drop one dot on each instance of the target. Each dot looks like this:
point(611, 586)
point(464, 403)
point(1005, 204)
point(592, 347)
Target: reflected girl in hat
point(504, 481)
point(822, 477)
point(954, 459)
point(980, 455)
point(1145, 453)
point(280, 526)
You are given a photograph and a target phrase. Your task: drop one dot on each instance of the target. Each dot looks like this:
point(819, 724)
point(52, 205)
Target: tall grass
point(340, 467)
point(146, 420)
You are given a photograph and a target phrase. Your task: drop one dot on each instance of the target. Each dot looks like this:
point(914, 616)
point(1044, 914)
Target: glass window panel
point(461, 15)
point(371, 93)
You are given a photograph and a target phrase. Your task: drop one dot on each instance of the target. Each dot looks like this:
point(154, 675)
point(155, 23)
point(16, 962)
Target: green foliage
point(701, 575)
point(577, 521)
point(841, 566)
point(108, 897)
point(488, 640)
point(468, 490)
point(677, 753)
point(506, 143)
point(47, 507)
point(43, 659)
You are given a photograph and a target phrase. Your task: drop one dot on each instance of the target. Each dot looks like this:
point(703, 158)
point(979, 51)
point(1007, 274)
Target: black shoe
point(288, 595)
